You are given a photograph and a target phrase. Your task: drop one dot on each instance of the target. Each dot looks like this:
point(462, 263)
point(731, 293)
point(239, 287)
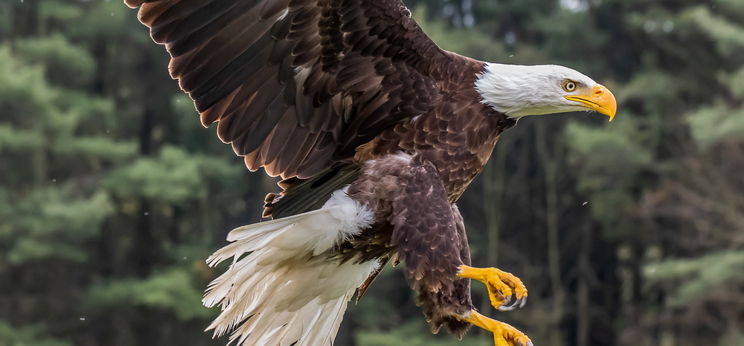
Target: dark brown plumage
point(416, 223)
point(322, 79)
point(327, 93)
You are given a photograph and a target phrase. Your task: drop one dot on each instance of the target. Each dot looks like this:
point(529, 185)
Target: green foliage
point(173, 177)
point(13, 139)
point(97, 20)
point(729, 36)
point(414, 334)
point(27, 336)
point(570, 34)
point(95, 147)
point(73, 174)
point(86, 114)
point(51, 223)
point(608, 161)
point(732, 340)
point(718, 123)
point(471, 43)
point(693, 280)
point(56, 11)
point(24, 93)
point(64, 63)
point(607, 153)
point(171, 290)
point(723, 120)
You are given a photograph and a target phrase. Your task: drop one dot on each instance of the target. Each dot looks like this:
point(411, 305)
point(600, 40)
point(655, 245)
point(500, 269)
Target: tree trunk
point(583, 315)
point(551, 160)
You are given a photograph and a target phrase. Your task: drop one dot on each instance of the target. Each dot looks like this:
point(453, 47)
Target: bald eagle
point(375, 131)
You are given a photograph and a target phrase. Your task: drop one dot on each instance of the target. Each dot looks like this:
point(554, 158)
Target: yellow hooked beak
point(599, 99)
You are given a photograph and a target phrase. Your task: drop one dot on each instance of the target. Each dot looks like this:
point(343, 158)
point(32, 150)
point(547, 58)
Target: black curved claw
point(510, 304)
point(513, 304)
point(505, 308)
point(509, 300)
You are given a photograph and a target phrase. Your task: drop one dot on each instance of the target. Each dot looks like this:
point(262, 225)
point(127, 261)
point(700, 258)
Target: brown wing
point(297, 84)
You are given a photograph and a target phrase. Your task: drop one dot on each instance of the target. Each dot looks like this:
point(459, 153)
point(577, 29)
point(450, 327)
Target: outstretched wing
point(297, 84)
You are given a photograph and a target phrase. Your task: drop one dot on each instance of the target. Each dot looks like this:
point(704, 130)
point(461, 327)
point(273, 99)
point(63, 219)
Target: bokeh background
point(626, 233)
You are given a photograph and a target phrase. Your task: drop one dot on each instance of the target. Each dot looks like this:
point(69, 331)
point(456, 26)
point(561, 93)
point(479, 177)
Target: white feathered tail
point(287, 289)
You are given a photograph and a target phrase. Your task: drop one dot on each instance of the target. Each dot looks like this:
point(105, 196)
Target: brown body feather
point(326, 93)
point(415, 222)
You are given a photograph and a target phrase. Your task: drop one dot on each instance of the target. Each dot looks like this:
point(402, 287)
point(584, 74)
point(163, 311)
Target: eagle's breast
point(457, 136)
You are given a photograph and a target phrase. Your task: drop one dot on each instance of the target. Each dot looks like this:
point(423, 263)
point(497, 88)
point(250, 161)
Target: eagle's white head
point(518, 90)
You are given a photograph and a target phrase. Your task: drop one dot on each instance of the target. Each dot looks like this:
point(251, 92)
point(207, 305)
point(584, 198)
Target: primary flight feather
point(376, 132)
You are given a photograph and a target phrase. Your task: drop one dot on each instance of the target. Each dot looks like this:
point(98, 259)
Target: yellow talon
point(503, 334)
point(505, 290)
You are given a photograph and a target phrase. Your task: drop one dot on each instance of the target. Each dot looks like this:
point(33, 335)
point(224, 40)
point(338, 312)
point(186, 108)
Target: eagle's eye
point(569, 85)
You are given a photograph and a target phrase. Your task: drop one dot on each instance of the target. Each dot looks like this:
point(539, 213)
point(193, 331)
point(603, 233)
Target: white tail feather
point(287, 289)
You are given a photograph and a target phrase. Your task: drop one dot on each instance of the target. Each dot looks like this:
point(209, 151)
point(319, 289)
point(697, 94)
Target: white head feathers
point(519, 90)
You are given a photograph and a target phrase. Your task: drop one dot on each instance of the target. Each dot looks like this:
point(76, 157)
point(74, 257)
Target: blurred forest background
point(627, 233)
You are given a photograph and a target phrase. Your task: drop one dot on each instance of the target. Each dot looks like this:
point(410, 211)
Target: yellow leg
point(503, 334)
point(505, 290)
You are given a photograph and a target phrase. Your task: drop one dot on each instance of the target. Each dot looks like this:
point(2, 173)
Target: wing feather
point(297, 84)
